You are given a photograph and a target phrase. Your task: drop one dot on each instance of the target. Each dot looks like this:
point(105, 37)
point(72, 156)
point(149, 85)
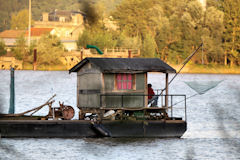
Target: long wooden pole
point(34, 109)
point(35, 59)
point(184, 63)
point(166, 96)
point(29, 23)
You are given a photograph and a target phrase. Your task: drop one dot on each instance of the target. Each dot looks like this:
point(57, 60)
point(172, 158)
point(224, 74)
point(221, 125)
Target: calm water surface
point(213, 121)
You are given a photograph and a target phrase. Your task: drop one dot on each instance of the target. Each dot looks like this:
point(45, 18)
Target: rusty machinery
point(63, 112)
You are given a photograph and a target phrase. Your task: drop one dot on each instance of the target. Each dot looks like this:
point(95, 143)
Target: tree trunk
point(232, 62)
point(163, 53)
point(225, 58)
point(206, 59)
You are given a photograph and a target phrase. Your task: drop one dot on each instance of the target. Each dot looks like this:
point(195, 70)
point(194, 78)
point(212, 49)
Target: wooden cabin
point(115, 82)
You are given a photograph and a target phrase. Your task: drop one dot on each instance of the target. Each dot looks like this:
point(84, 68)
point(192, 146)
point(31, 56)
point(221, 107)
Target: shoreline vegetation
point(188, 69)
point(169, 30)
point(207, 69)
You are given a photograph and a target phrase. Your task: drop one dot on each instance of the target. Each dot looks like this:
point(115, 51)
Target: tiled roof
point(65, 13)
point(36, 32)
point(12, 33)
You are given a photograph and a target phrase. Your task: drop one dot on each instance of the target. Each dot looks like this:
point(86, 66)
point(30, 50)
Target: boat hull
point(83, 128)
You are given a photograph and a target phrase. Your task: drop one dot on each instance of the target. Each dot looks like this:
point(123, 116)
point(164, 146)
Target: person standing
point(152, 98)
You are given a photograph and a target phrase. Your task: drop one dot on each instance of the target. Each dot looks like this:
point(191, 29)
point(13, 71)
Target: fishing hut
point(114, 92)
point(110, 83)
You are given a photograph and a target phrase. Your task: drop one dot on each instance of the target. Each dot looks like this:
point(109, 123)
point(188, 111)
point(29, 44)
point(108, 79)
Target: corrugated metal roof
point(123, 65)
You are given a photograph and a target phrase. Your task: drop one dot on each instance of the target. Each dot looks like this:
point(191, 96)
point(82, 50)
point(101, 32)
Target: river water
point(213, 121)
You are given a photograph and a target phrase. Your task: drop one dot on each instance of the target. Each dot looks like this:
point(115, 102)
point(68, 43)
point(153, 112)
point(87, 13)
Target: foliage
point(49, 50)
point(232, 30)
point(176, 27)
point(19, 21)
point(125, 41)
point(100, 38)
point(170, 30)
point(148, 48)
point(2, 48)
point(7, 8)
point(135, 16)
point(212, 35)
point(20, 51)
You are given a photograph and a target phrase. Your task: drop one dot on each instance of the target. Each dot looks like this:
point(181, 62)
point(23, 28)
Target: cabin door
point(89, 88)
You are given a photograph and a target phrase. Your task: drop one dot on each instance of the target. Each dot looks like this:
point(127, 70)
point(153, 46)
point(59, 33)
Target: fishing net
point(202, 87)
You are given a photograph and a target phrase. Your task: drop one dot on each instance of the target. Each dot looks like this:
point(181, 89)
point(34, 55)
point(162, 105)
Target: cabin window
point(124, 81)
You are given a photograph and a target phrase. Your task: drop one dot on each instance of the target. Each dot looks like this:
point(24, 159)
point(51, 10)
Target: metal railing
point(158, 91)
point(121, 103)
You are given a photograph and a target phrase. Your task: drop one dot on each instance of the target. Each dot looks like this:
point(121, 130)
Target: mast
point(12, 92)
point(29, 24)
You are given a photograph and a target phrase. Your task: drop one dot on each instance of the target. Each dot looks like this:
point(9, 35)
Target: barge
point(113, 101)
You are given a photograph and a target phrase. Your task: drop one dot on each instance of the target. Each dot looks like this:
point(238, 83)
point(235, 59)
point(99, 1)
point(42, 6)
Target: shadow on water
point(120, 141)
point(1, 101)
point(6, 148)
point(221, 115)
point(190, 152)
point(10, 150)
point(222, 111)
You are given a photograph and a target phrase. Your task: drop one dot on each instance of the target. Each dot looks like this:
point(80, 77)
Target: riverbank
point(189, 68)
point(208, 69)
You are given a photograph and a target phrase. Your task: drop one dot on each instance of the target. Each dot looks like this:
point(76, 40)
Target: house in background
point(9, 37)
point(67, 26)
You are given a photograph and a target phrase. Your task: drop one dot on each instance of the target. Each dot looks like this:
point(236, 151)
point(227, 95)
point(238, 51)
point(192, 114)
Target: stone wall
point(70, 59)
point(8, 62)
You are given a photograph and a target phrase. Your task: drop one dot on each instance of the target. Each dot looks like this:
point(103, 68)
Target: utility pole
point(29, 23)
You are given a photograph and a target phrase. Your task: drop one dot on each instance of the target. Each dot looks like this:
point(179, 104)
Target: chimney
point(45, 16)
point(74, 19)
point(77, 19)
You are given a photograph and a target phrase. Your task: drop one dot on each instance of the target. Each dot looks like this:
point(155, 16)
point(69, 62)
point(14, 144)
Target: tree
point(148, 48)
point(141, 20)
point(231, 35)
point(7, 8)
point(2, 48)
point(212, 35)
point(125, 41)
point(178, 33)
point(19, 21)
point(167, 36)
point(49, 50)
point(84, 39)
point(98, 37)
point(20, 51)
point(133, 16)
